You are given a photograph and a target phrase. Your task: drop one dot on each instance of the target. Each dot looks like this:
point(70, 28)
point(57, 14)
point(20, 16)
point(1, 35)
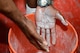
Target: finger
point(48, 36)
point(60, 17)
point(53, 35)
point(44, 47)
point(38, 37)
point(39, 45)
point(34, 42)
point(43, 33)
point(41, 38)
point(38, 30)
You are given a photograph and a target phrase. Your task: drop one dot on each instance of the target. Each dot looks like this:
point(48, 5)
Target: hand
point(45, 21)
point(9, 9)
point(30, 30)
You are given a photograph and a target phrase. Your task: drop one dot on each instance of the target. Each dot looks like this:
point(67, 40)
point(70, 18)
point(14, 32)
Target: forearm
point(9, 9)
point(44, 3)
point(32, 3)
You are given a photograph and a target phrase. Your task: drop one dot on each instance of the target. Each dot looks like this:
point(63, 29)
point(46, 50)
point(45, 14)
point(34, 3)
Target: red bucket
point(67, 40)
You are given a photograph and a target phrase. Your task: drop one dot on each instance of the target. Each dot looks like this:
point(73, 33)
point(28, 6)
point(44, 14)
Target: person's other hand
point(30, 30)
point(45, 22)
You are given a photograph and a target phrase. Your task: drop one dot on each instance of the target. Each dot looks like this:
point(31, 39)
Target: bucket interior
point(67, 39)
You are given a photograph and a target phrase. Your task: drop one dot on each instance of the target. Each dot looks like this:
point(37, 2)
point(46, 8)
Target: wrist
point(44, 3)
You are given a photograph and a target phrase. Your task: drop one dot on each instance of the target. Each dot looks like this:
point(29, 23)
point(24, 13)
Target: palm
point(45, 21)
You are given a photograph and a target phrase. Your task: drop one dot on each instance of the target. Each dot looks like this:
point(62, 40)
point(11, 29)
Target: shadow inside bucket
point(63, 27)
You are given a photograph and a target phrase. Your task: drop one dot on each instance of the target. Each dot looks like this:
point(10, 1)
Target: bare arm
point(9, 9)
point(32, 3)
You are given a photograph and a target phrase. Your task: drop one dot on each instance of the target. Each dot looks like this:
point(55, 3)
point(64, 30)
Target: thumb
point(43, 41)
point(44, 45)
point(39, 38)
point(61, 18)
point(64, 22)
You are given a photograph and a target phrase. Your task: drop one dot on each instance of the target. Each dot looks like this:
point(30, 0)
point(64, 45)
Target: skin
point(32, 3)
point(46, 20)
point(9, 9)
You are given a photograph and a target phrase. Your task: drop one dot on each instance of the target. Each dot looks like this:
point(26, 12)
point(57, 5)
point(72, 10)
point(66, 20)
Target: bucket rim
point(73, 51)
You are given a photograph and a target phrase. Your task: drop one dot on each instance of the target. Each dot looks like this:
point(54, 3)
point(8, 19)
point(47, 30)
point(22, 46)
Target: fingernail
point(47, 50)
point(66, 24)
point(45, 43)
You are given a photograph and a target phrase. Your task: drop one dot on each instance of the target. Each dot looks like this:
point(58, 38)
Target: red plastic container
point(67, 40)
